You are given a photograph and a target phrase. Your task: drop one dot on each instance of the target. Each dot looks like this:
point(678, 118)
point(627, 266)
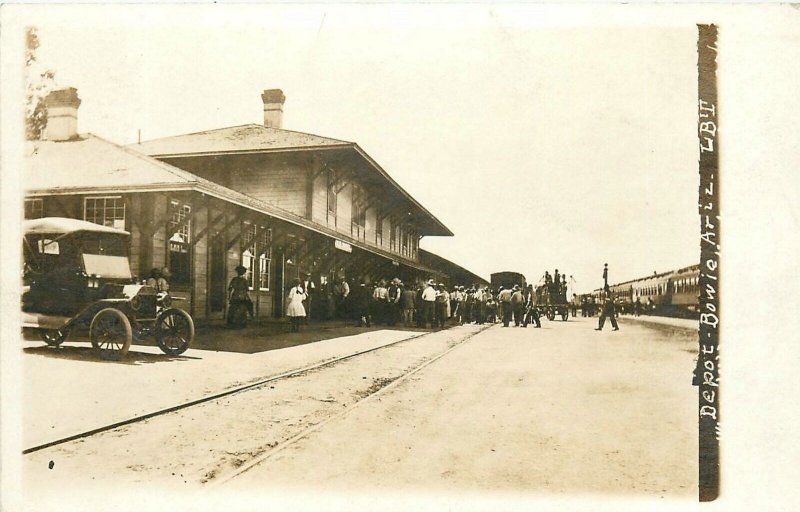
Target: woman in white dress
point(295, 309)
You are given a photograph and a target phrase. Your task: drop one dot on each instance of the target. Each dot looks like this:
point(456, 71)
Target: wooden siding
point(283, 185)
point(319, 200)
point(283, 180)
point(370, 224)
point(344, 210)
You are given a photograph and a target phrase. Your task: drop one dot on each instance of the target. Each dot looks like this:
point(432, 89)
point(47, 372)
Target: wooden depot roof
point(236, 139)
point(255, 138)
point(93, 165)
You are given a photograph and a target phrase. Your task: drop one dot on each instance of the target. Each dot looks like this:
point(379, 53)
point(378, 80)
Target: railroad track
point(228, 476)
point(229, 392)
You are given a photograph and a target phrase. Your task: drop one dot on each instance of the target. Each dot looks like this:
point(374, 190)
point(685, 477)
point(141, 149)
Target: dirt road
point(560, 409)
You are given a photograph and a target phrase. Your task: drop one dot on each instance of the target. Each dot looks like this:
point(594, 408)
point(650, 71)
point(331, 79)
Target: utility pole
point(605, 276)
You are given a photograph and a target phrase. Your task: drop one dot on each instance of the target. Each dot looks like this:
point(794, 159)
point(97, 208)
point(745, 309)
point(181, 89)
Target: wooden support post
point(239, 232)
point(209, 227)
point(342, 180)
point(192, 282)
point(143, 218)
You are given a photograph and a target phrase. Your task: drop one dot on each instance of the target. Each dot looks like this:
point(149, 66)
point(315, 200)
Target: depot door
point(217, 277)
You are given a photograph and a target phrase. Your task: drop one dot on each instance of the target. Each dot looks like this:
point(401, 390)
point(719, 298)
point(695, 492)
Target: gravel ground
point(69, 390)
point(194, 446)
point(560, 410)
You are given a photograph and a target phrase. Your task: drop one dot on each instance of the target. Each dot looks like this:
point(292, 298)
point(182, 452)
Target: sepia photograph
point(380, 256)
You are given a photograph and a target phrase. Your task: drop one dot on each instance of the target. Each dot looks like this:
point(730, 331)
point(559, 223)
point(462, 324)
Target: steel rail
point(215, 396)
point(313, 428)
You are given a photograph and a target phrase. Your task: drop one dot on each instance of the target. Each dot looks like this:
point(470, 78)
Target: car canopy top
point(65, 226)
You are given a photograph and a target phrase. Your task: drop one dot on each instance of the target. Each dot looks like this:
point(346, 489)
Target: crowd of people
point(426, 304)
point(433, 305)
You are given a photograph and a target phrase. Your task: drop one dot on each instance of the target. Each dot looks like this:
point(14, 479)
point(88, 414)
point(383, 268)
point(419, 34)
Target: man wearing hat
point(380, 297)
point(393, 300)
point(479, 305)
point(408, 303)
point(153, 280)
point(608, 311)
point(428, 299)
point(504, 297)
point(458, 311)
point(309, 288)
point(163, 281)
point(442, 298)
point(517, 305)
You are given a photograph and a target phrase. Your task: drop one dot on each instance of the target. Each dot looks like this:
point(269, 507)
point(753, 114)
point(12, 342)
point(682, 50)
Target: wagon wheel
point(174, 331)
point(551, 314)
point(111, 334)
point(53, 337)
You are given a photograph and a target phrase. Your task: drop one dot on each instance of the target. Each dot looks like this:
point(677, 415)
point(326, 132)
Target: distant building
point(281, 203)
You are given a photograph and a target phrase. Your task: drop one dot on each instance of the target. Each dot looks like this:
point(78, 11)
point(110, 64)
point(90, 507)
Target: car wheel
point(111, 334)
point(53, 337)
point(174, 331)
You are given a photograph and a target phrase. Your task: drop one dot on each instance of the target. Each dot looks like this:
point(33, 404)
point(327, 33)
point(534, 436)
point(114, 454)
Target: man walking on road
point(609, 310)
point(517, 305)
point(531, 313)
point(505, 304)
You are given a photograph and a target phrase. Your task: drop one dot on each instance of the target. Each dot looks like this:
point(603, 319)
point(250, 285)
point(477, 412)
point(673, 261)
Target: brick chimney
point(273, 107)
point(62, 114)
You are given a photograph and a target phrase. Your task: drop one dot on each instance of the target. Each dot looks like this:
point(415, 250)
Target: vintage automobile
point(77, 275)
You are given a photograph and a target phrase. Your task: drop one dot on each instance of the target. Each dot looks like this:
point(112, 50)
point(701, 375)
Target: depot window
point(378, 228)
point(105, 210)
point(180, 240)
point(359, 216)
point(264, 259)
point(405, 244)
point(332, 192)
point(392, 235)
point(249, 231)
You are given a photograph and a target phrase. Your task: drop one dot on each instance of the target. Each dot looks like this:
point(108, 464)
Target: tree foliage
point(39, 82)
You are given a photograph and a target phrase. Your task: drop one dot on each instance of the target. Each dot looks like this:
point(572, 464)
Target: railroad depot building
point(282, 203)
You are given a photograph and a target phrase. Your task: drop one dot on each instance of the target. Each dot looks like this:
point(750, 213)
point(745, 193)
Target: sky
point(540, 145)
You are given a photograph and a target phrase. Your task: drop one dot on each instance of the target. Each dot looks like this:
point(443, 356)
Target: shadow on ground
point(86, 353)
point(273, 335)
point(257, 337)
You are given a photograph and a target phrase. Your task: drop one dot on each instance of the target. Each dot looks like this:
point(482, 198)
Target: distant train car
point(673, 293)
point(508, 280)
point(685, 290)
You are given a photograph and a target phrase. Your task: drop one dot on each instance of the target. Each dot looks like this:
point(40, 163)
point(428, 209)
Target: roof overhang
point(238, 199)
point(433, 226)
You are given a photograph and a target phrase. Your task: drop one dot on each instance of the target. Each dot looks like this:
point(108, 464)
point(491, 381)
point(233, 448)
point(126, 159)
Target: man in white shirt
point(504, 297)
point(380, 296)
point(428, 298)
point(340, 293)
